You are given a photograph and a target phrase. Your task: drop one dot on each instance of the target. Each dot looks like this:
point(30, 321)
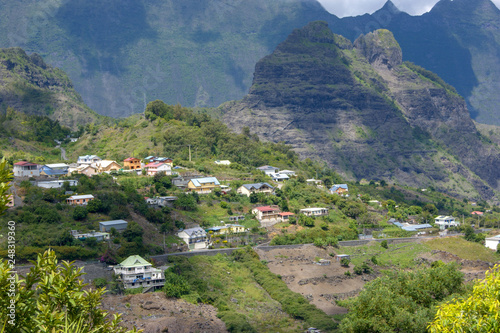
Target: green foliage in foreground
point(402, 301)
point(52, 298)
point(477, 313)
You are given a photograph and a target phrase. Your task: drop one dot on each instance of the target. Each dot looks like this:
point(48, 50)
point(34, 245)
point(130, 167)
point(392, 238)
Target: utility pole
point(189, 153)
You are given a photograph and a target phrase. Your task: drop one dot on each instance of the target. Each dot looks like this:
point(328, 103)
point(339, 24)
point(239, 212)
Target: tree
point(52, 298)
point(80, 213)
point(402, 301)
point(477, 313)
point(5, 178)
point(133, 231)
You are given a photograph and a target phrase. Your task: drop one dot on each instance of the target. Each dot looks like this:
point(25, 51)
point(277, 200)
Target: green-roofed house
point(136, 272)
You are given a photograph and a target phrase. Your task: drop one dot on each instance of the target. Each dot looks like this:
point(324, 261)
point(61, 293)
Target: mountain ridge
point(366, 112)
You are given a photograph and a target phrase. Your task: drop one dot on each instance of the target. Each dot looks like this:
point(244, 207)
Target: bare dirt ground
point(154, 313)
point(321, 285)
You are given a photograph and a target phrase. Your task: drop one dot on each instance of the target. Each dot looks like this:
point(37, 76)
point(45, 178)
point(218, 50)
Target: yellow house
point(227, 229)
point(202, 185)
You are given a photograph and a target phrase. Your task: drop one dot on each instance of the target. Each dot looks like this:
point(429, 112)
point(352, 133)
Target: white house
point(88, 159)
point(26, 169)
point(195, 238)
point(278, 177)
point(492, 242)
point(248, 189)
point(135, 272)
point(314, 211)
point(99, 236)
point(222, 162)
point(155, 167)
point(444, 222)
point(56, 183)
point(289, 173)
point(267, 169)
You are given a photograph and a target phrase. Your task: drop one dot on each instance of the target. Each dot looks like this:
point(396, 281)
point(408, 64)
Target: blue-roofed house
point(339, 189)
point(247, 189)
point(54, 170)
point(203, 185)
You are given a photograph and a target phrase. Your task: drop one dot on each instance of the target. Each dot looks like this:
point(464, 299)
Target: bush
point(344, 262)
point(175, 285)
point(100, 283)
point(358, 270)
point(384, 244)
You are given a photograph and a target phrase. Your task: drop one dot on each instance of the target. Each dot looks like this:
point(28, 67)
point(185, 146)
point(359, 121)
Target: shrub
point(344, 262)
point(384, 244)
point(358, 270)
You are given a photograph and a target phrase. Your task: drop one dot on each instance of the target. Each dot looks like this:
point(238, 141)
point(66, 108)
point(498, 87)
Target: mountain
point(121, 54)
point(30, 86)
point(459, 40)
point(367, 113)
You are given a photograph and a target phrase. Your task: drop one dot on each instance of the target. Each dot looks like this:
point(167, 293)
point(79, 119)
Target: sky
point(343, 8)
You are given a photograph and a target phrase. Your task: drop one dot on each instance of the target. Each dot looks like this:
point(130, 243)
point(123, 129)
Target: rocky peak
point(388, 7)
point(380, 48)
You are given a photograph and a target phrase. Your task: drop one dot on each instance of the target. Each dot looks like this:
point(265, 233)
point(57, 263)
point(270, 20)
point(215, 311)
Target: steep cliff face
point(362, 110)
point(29, 85)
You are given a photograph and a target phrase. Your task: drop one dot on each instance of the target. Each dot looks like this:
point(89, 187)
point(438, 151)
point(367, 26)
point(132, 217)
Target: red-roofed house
point(153, 168)
point(132, 163)
point(477, 213)
point(285, 216)
point(26, 169)
point(267, 213)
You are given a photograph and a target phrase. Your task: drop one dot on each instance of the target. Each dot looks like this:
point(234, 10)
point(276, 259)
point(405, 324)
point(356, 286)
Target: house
point(56, 183)
point(180, 182)
point(79, 200)
point(107, 166)
point(412, 227)
point(26, 169)
point(267, 169)
point(314, 211)
point(289, 173)
point(87, 170)
point(316, 182)
point(285, 216)
point(135, 272)
point(278, 177)
point(117, 224)
point(267, 213)
point(161, 201)
point(132, 163)
point(492, 242)
point(444, 222)
point(166, 160)
point(88, 159)
point(477, 213)
point(195, 238)
point(99, 236)
point(236, 218)
point(155, 167)
point(247, 189)
point(339, 257)
point(227, 229)
point(56, 169)
point(223, 162)
point(202, 185)
point(339, 189)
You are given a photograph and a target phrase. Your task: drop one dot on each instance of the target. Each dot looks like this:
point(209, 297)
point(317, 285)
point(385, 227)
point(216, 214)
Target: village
point(136, 272)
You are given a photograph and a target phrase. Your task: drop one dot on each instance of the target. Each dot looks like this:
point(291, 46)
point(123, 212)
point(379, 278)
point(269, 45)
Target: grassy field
point(463, 249)
point(396, 255)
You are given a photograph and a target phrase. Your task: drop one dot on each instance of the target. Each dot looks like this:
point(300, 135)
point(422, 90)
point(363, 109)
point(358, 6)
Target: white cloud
point(342, 8)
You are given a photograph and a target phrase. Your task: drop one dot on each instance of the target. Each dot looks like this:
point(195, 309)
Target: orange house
point(132, 163)
point(79, 199)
